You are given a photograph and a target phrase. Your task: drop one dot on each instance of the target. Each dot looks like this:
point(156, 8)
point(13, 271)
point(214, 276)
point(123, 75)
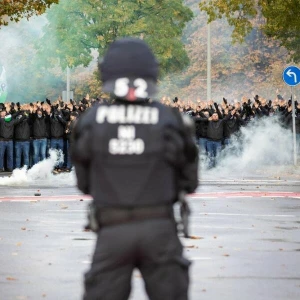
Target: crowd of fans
point(29, 131)
point(218, 124)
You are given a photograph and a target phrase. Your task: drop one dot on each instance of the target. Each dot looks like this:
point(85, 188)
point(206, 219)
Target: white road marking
point(247, 180)
point(64, 222)
point(204, 197)
point(62, 200)
point(220, 227)
point(68, 210)
point(23, 200)
point(239, 197)
point(250, 215)
point(199, 258)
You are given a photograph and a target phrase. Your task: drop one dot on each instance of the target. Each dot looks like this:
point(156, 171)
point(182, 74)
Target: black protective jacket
point(134, 154)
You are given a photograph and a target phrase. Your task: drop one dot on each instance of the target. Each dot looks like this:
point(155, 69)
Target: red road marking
point(219, 195)
point(257, 194)
point(47, 198)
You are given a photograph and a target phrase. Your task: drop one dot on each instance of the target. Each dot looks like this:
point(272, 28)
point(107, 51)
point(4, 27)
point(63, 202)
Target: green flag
point(3, 85)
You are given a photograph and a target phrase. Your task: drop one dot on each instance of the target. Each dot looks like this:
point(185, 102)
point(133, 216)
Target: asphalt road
point(246, 241)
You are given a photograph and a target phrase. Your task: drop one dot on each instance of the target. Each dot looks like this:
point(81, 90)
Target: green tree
point(16, 10)
point(281, 19)
point(76, 28)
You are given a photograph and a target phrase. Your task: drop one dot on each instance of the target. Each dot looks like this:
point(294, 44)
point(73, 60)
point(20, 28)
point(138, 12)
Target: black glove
point(224, 100)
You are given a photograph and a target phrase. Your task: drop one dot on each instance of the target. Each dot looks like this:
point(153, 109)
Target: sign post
point(68, 84)
point(291, 76)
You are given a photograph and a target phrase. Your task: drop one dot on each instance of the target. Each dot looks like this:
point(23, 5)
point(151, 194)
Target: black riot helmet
point(129, 70)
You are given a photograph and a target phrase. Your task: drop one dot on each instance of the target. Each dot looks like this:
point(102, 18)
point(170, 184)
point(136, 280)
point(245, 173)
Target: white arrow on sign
point(290, 74)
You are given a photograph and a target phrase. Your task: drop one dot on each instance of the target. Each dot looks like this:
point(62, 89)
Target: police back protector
point(127, 147)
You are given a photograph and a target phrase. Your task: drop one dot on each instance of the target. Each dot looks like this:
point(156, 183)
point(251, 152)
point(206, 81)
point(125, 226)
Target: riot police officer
point(134, 157)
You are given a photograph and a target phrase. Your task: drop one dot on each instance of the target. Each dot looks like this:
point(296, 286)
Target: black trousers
point(153, 247)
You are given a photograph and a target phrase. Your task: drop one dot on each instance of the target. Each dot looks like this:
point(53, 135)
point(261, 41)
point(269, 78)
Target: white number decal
point(141, 86)
point(121, 87)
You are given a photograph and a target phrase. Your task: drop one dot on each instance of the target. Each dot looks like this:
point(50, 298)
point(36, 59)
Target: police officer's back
point(134, 157)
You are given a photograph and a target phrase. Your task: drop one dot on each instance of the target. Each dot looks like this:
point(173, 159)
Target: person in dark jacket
point(298, 127)
point(231, 125)
point(289, 123)
point(57, 131)
point(22, 141)
point(69, 129)
point(215, 135)
point(40, 121)
point(7, 126)
point(201, 129)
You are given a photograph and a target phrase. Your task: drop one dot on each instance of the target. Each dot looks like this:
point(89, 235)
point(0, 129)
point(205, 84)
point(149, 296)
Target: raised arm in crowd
point(218, 124)
point(29, 131)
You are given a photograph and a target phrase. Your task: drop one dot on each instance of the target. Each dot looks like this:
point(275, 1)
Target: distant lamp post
point(208, 83)
point(67, 95)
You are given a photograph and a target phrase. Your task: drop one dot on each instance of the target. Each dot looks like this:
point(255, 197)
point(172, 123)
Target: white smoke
point(41, 174)
point(263, 147)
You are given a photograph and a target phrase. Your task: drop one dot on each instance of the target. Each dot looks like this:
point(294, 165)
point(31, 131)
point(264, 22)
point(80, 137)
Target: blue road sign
point(291, 75)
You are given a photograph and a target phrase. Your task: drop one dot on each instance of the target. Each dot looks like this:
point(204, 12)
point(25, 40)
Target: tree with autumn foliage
point(252, 67)
point(281, 19)
point(255, 66)
point(11, 10)
point(76, 28)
